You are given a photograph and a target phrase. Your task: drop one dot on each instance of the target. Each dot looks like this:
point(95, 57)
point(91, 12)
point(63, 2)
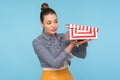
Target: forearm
point(70, 47)
point(45, 55)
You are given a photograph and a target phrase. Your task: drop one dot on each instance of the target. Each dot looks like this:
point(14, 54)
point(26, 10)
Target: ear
point(41, 23)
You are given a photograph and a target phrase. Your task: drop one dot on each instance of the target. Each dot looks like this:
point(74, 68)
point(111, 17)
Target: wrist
point(73, 44)
point(70, 47)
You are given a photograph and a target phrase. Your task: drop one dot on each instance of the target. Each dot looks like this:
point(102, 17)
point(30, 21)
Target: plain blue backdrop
point(20, 24)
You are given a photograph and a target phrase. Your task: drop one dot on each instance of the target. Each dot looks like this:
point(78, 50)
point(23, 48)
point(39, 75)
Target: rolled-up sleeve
point(80, 51)
point(44, 54)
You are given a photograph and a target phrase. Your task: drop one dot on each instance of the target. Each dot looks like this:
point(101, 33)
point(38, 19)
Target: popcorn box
point(77, 32)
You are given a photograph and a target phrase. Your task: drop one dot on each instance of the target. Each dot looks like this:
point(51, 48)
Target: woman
point(54, 50)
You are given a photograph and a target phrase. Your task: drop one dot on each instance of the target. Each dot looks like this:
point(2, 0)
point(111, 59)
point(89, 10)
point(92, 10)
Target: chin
point(52, 33)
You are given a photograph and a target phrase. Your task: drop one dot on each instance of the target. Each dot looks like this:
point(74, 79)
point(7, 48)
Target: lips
point(53, 30)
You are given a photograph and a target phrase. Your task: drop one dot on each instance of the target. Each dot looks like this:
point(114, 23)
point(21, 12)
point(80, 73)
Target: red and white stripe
point(82, 32)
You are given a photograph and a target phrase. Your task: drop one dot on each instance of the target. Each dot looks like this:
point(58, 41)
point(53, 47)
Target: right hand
point(79, 42)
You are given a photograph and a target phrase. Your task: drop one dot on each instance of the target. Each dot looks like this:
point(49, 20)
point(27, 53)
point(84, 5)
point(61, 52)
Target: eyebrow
point(50, 20)
point(55, 19)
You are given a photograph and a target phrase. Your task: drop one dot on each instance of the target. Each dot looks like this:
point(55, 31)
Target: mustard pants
point(63, 74)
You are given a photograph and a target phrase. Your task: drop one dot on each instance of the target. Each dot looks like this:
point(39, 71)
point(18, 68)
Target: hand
point(74, 43)
point(79, 42)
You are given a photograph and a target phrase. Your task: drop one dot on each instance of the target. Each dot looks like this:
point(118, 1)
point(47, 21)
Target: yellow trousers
point(63, 74)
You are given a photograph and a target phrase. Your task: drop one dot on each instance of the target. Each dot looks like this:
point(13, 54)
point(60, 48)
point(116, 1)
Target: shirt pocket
point(52, 49)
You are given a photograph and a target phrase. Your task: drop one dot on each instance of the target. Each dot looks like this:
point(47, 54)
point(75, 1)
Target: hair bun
point(44, 6)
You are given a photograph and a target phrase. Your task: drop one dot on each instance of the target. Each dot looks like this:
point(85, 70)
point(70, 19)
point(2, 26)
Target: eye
point(56, 21)
point(48, 23)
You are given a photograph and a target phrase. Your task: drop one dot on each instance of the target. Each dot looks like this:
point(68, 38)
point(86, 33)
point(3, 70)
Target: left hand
point(79, 42)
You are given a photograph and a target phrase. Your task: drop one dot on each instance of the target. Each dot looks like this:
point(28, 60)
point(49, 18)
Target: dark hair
point(45, 10)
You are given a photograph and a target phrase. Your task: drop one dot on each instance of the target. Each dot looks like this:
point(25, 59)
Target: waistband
point(55, 68)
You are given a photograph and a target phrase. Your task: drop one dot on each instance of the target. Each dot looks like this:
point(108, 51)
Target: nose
point(54, 25)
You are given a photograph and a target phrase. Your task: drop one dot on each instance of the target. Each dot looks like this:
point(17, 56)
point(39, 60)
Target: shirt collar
point(47, 36)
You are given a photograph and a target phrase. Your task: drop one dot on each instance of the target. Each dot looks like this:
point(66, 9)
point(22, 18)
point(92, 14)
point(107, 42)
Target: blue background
point(19, 25)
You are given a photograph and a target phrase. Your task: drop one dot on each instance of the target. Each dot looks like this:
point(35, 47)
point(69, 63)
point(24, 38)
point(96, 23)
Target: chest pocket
point(53, 49)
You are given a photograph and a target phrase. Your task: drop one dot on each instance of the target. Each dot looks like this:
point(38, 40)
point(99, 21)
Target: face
point(50, 24)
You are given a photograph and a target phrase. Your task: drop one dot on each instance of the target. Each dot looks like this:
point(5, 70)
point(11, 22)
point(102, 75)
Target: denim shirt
point(52, 53)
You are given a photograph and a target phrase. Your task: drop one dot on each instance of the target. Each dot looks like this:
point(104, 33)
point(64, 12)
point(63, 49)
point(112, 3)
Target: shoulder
point(37, 40)
point(61, 35)
point(62, 38)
